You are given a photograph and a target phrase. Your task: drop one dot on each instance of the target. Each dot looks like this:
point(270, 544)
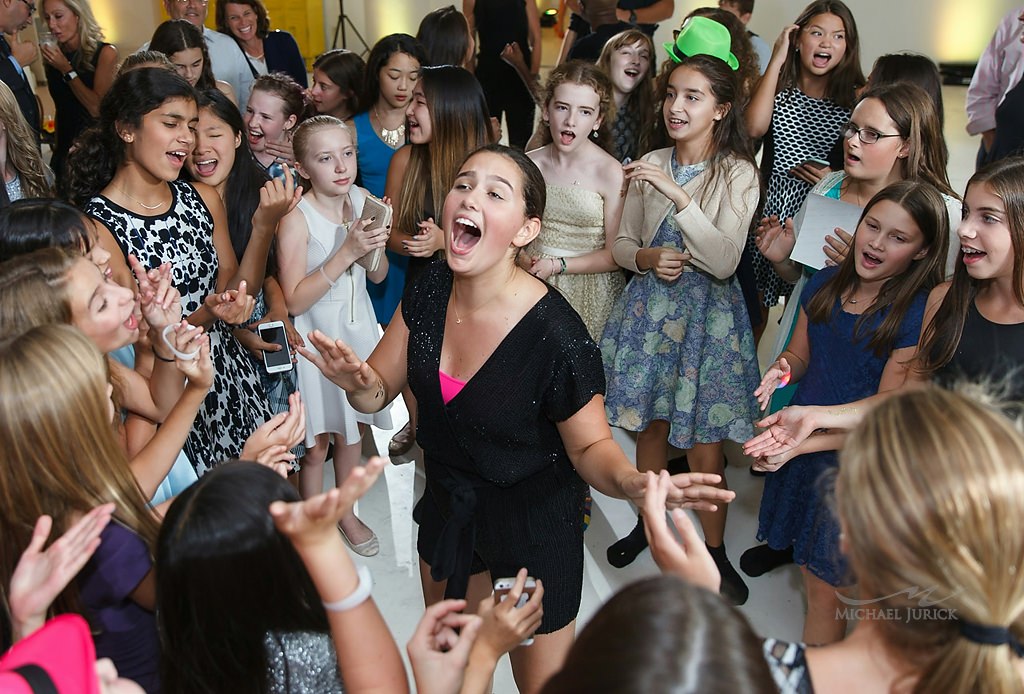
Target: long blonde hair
point(929, 495)
point(90, 35)
point(61, 457)
point(22, 154)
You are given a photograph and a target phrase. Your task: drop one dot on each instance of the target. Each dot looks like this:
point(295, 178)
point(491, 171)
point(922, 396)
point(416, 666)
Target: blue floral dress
point(682, 352)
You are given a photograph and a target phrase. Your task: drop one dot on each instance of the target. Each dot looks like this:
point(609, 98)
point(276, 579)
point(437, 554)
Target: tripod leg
point(366, 47)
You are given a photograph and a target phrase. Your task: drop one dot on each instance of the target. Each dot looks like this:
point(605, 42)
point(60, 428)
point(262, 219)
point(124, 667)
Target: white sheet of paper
point(818, 218)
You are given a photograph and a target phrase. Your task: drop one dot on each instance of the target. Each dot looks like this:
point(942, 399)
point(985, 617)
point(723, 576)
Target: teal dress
point(682, 352)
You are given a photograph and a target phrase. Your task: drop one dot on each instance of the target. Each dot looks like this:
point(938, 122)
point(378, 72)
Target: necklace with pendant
point(392, 138)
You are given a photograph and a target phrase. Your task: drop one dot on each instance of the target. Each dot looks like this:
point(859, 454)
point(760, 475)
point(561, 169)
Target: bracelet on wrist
point(562, 261)
point(164, 359)
point(184, 356)
point(327, 277)
point(357, 597)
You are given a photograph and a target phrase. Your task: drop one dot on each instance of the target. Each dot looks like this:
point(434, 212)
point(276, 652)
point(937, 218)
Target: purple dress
point(123, 631)
point(794, 505)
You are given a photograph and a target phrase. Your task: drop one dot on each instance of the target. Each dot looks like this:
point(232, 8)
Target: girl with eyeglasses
point(893, 135)
point(799, 107)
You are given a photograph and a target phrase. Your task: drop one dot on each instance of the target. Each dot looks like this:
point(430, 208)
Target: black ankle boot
point(762, 559)
point(623, 552)
point(733, 588)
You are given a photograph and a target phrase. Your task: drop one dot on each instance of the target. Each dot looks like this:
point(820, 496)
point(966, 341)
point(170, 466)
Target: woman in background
point(266, 51)
point(79, 70)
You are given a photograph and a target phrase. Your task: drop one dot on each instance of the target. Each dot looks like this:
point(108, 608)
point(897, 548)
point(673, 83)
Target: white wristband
point(357, 597)
point(184, 356)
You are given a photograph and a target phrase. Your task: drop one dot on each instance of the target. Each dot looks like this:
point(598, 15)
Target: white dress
point(345, 313)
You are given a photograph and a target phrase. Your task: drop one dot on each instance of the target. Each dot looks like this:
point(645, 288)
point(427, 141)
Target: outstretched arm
point(367, 653)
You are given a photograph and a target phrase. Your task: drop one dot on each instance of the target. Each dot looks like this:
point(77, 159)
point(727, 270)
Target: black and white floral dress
point(183, 236)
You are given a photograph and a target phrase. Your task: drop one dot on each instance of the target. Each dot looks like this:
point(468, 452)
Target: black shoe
point(733, 588)
point(762, 559)
point(623, 552)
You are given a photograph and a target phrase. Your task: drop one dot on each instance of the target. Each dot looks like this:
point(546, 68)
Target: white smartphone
point(377, 214)
point(501, 588)
point(281, 360)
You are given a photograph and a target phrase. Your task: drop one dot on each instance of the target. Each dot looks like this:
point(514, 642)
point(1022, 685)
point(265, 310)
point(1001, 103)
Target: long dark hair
point(910, 68)
point(177, 35)
point(444, 35)
point(29, 224)
point(846, 77)
point(99, 150)
point(246, 177)
point(1005, 178)
point(459, 122)
point(729, 135)
point(379, 56)
point(347, 70)
point(227, 579)
point(926, 207)
point(662, 635)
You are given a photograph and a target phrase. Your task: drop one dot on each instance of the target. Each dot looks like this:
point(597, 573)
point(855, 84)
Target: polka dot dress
point(802, 128)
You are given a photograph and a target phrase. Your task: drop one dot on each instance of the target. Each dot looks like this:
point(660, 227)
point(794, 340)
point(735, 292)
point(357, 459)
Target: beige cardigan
point(714, 227)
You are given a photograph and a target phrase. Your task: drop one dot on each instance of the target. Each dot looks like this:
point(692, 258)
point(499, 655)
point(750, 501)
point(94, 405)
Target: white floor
point(775, 606)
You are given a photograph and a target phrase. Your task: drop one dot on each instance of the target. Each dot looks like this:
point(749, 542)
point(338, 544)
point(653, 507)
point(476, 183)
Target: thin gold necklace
point(458, 318)
point(392, 138)
point(139, 202)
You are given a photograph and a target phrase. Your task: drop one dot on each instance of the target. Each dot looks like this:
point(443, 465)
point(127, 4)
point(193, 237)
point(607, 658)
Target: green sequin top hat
point(702, 36)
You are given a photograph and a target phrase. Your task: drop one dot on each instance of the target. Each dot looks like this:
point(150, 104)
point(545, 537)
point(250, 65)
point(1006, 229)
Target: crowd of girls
point(599, 279)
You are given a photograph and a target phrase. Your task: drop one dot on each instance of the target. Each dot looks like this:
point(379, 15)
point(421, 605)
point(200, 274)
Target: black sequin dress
point(501, 492)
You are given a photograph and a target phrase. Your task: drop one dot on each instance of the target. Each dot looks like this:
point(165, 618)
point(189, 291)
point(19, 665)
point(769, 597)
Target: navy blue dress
point(795, 505)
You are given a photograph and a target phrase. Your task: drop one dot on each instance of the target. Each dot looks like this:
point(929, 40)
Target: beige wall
point(947, 30)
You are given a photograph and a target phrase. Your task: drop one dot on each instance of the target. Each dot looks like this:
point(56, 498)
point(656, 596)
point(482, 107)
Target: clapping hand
point(439, 648)
point(233, 306)
point(338, 363)
point(783, 431)
point(688, 558)
point(271, 443)
point(777, 376)
point(41, 575)
point(774, 239)
point(696, 490)
point(428, 240)
point(313, 523)
point(159, 299)
point(187, 340)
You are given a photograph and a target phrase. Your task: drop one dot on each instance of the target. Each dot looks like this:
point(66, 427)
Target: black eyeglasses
point(866, 135)
point(30, 5)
